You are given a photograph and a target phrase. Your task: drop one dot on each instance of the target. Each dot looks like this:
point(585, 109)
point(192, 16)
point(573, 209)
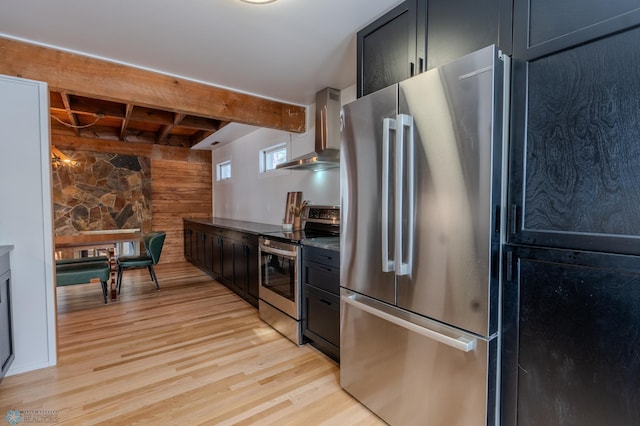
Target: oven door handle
point(283, 253)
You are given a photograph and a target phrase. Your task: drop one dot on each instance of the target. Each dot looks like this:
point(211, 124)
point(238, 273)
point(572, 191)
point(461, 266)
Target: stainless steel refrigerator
point(423, 189)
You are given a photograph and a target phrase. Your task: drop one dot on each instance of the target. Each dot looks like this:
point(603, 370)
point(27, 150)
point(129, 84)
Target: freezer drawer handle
point(462, 343)
point(388, 124)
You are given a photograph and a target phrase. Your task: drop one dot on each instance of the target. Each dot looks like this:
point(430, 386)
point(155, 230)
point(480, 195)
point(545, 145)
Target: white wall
point(26, 219)
point(250, 196)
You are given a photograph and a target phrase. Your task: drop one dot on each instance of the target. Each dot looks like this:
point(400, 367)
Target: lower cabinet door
point(571, 338)
point(322, 321)
point(251, 260)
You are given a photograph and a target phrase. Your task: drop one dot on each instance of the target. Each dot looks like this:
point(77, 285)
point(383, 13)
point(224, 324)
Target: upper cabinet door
point(459, 27)
point(423, 34)
point(574, 175)
point(387, 48)
point(545, 26)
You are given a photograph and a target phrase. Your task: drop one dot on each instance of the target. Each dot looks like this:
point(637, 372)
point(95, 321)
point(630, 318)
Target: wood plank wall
point(181, 184)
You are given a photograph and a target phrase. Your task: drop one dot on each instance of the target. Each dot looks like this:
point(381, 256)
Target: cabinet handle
point(326, 302)
point(412, 67)
point(514, 219)
point(326, 269)
point(509, 266)
point(420, 65)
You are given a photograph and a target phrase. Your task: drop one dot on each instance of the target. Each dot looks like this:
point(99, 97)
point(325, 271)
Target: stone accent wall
point(102, 192)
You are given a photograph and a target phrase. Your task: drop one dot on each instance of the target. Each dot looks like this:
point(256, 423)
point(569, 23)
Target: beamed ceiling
point(102, 119)
point(98, 99)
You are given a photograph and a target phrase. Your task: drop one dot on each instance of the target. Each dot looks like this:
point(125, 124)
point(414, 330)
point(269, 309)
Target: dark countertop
point(237, 225)
point(329, 243)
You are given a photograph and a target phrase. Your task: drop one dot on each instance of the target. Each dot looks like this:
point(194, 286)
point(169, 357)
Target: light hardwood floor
point(193, 353)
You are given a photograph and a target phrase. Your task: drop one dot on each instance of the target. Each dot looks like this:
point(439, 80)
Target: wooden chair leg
point(104, 290)
point(153, 276)
point(119, 279)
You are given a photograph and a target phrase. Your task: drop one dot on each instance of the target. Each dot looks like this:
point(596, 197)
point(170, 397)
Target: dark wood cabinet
point(229, 256)
point(226, 259)
point(251, 267)
point(392, 48)
point(574, 179)
point(423, 34)
point(7, 352)
point(240, 267)
point(571, 338)
point(571, 301)
point(542, 27)
point(459, 27)
point(321, 299)
point(189, 240)
point(216, 253)
point(201, 244)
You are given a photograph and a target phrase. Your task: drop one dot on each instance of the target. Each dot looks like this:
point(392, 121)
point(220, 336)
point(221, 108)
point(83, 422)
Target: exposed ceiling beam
point(165, 130)
point(198, 136)
point(200, 123)
point(82, 75)
point(148, 115)
point(125, 122)
point(72, 116)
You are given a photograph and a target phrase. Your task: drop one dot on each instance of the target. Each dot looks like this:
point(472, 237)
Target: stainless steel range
point(280, 283)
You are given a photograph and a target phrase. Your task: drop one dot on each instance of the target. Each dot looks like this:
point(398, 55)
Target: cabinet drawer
point(323, 256)
point(323, 277)
point(323, 314)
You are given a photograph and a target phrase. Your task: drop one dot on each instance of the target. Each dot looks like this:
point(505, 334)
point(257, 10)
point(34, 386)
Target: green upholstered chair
point(153, 242)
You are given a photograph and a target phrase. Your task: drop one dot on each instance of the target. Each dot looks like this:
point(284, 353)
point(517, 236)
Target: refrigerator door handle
point(388, 124)
point(462, 343)
point(404, 121)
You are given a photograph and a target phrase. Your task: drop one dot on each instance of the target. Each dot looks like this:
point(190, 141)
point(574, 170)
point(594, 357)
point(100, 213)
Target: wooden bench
point(82, 272)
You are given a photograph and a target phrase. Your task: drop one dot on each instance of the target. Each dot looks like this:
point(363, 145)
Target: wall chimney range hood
point(327, 138)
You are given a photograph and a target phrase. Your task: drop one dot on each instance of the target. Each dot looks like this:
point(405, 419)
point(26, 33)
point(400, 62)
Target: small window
point(272, 156)
point(223, 170)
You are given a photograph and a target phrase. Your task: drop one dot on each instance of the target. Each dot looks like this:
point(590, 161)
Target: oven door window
point(278, 274)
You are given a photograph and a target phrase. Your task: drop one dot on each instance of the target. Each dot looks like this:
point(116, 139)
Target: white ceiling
point(285, 50)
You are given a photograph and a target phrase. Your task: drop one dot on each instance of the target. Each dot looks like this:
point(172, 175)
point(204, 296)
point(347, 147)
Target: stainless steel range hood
point(327, 139)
